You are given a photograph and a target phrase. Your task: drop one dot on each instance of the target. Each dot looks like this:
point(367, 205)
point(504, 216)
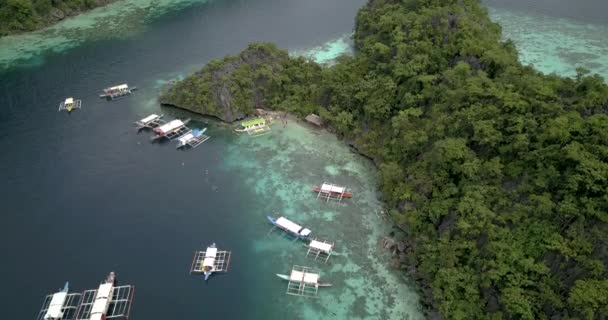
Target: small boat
point(255, 127)
point(152, 121)
point(192, 139)
point(107, 301)
point(319, 283)
point(70, 104)
point(55, 308)
point(209, 262)
point(171, 130)
point(118, 91)
point(290, 227)
point(334, 191)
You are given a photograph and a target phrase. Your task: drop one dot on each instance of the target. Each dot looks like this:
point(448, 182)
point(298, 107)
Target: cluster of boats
point(111, 93)
point(305, 281)
point(302, 281)
point(108, 301)
point(173, 130)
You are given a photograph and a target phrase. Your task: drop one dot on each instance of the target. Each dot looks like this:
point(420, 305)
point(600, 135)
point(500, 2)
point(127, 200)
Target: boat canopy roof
point(299, 276)
point(149, 118)
point(331, 188)
point(321, 246)
point(104, 290)
point(123, 86)
point(185, 138)
point(56, 304)
point(291, 226)
point(254, 122)
point(170, 126)
point(69, 100)
point(210, 255)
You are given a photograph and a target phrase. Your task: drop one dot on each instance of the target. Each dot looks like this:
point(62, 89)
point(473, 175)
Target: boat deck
point(178, 133)
point(70, 305)
point(120, 301)
point(320, 249)
point(259, 131)
point(194, 141)
point(303, 282)
point(118, 94)
point(220, 264)
point(330, 191)
point(289, 227)
point(150, 122)
point(77, 105)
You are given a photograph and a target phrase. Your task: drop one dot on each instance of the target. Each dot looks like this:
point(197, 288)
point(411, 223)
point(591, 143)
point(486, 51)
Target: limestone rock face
point(57, 14)
point(232, 88)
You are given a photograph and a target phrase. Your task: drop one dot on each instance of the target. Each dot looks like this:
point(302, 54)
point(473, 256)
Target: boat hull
point(344, 195)
point(272, 220)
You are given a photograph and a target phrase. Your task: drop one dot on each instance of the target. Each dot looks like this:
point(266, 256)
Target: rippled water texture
point(555, 45)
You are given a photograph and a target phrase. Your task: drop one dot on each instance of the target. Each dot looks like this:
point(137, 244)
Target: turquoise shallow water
point(555, 45)
point(281, 168)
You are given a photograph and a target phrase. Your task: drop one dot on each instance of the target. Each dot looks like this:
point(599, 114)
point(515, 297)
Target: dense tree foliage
point(497, 174)
point(27, 15)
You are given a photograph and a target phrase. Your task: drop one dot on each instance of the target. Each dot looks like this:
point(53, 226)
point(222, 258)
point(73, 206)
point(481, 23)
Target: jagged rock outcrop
point(231, 88)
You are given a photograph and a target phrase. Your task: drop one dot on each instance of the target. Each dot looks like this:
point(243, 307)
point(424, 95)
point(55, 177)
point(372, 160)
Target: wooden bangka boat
point(70, 104)
point(255, 127)
point(290, 227)
point(319, 283)
point(192, 139)
point(334, 193)
point(171, 130)
point(116, 92)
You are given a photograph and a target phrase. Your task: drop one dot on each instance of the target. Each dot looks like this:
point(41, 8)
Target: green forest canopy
point(27, 15)
point(497, 174)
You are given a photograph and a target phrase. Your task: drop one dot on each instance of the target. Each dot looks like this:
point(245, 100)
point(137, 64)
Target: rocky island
point(495, 174)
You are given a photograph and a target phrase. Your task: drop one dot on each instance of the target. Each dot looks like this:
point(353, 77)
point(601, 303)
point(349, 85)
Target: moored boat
point(70, 104)
point(290, 227)
point(192, 139)
point(333, 191)
point(210, 261)
point(117, 91)
point(171, 130)
point(255, 127)
point(319, 282)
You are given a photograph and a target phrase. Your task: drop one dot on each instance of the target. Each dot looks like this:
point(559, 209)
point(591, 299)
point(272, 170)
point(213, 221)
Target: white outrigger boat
point(290, 227)
point(171, 130)
point(116, 92)
point(152, 121)
point(70, 104)
point(304, 277)
point(210, 261)
point(60, 305)
point(303, 281)
point(255, 127)
point(192, 139)
point(106, 302)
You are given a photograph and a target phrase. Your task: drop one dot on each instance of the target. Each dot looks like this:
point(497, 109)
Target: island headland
point(495, 174)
